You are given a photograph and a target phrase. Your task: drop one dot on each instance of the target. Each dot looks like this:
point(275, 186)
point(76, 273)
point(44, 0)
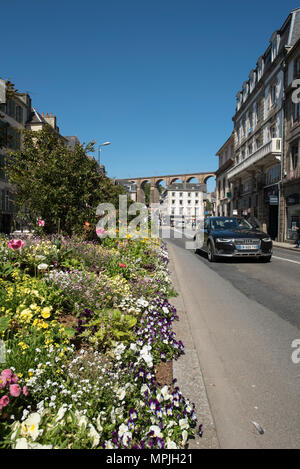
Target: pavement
point(292, 247)
point(187, 370)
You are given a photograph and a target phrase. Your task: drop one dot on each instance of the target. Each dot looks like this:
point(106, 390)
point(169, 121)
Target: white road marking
point(184, 234)
point(284, 259)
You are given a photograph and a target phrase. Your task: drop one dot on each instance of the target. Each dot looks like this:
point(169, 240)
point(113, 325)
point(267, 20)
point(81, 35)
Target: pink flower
point(123, 265)
point(15, 390)
point(25, 390)
point(7, 373)
point(41, 222)
point(100, 231)
point(16, 244)
point(14, 379)
point(4, 401)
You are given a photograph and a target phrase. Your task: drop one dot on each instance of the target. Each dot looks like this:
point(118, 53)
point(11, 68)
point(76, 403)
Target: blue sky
point(157, 78)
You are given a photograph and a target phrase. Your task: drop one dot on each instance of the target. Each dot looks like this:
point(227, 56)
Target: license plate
point(244, 247)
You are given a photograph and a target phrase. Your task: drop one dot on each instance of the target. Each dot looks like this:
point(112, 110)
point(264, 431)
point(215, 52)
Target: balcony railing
point(273, 147)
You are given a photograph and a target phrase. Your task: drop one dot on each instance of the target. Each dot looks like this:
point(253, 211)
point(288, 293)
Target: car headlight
point(267, 240)
point(224, 240)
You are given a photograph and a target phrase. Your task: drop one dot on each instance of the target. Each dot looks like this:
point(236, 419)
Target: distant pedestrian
point(297, 228)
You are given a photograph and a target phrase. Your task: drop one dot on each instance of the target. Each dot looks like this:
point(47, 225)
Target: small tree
point(62, 186)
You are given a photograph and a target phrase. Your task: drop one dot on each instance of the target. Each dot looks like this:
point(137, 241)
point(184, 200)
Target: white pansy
point(81, 419)
point(144, 389)
point(165, 393)
point(40, 258)
point(146, 355)
point(94, 435)
point(121, 393)
point(30, 426)
point(184, 437)
point(61, 413)
point(122, 430)
point(127, 436)
point(184, 423)
point(109, 445)
point(21, 443)
point(39, 446)
point(170, 444)
point(113, 416)
point(171, 424)
point(156, 430)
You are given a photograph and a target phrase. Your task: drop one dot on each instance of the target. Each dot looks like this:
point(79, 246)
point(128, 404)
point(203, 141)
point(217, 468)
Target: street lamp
point(99, 150)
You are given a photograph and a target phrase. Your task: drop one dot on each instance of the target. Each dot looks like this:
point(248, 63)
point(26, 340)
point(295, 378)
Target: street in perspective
point(150, 228)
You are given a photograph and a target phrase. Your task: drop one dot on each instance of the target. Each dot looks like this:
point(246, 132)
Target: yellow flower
point(26, 315)
point(23, 346)
point(46, 312)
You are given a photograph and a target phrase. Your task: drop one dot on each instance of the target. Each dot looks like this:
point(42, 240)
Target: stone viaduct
point(154, 182)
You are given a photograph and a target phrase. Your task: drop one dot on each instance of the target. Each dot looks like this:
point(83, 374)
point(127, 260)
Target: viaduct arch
point(168, 179)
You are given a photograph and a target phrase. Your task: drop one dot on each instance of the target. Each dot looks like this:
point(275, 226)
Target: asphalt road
point(244, 316)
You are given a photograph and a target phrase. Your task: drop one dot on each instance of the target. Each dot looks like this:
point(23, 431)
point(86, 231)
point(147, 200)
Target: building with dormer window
point(14, 113)
point(255, 175)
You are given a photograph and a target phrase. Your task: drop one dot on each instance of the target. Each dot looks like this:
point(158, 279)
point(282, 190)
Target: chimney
point(51, 120)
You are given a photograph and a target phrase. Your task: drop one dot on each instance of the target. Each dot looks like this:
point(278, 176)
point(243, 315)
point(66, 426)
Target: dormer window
point(239, 100)
point(252, 78)
point(245, 90)
point(260, 68)
point(275, 44)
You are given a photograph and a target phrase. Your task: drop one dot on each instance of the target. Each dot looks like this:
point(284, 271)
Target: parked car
point(232, 237)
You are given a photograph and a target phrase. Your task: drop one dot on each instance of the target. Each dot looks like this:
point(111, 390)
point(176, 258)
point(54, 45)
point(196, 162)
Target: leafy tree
point(59, 185)
point(147, 193)
point(208, 206)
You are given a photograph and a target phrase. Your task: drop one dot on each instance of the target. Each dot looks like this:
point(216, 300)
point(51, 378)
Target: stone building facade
point(14, 114)
point(17, 114)
point(223, 186)
point(290, 187)
point(256, 174)
point(183, 200)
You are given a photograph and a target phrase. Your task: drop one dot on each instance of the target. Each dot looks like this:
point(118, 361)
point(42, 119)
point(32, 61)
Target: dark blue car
point(232, 237)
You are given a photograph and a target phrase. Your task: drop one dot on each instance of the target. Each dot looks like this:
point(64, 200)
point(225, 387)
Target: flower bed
point(86, 326)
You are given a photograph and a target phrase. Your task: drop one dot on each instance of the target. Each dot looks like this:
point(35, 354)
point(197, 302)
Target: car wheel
point(210, 253)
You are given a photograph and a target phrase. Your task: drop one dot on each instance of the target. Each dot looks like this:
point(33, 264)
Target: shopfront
point(271, 200)
point(292, 213)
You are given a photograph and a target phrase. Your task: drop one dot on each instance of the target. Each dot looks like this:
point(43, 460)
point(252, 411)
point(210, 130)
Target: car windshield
point(230, 224)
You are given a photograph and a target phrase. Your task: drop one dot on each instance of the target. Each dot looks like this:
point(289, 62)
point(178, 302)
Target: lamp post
point(99, 150)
